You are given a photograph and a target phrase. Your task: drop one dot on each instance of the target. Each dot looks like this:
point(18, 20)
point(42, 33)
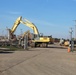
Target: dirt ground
point(38, 61)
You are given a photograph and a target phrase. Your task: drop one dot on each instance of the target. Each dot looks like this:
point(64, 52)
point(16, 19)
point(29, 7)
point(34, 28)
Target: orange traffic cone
point(69, 49)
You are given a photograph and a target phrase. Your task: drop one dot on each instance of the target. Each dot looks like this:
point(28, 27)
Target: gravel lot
point(38, 61)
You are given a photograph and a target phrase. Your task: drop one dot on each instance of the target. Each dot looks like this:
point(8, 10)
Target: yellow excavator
point(38, 40)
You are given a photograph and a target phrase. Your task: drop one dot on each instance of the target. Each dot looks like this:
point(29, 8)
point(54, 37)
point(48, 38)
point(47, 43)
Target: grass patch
point(11, 48)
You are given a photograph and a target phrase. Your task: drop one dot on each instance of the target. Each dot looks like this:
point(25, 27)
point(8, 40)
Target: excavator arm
point(27, 23)
point(31, 25)
point(17, 22)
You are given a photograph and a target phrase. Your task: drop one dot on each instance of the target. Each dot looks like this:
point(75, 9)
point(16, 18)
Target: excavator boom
point(31, 25)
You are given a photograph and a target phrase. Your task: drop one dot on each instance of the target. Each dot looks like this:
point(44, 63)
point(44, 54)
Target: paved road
point(38, 61)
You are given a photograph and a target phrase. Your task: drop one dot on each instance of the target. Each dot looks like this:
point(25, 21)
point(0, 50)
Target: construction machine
point(37, 40)
point(64, 42)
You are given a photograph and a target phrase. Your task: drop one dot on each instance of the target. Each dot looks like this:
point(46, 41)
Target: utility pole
point(26, 42)
point(21, 31)
point(71, 39)
point(75, 29)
